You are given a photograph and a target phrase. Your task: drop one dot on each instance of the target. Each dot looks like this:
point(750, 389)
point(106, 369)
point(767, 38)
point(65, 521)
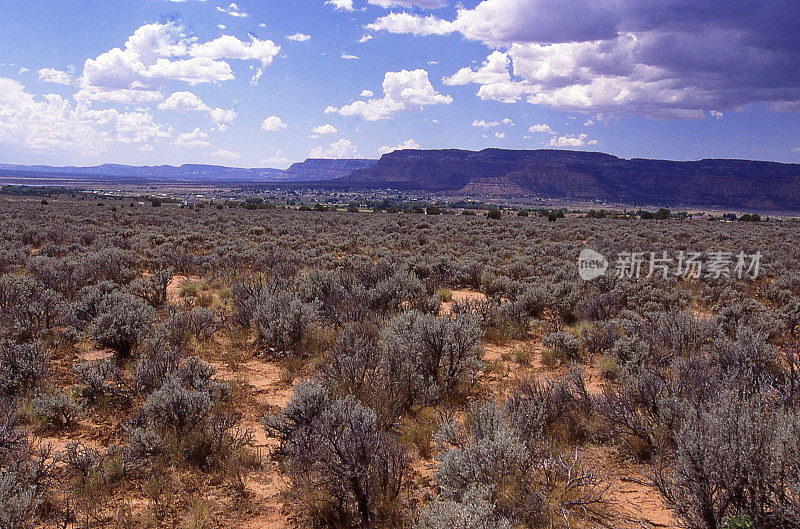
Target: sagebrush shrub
point(22, 366)
point(437, 356)
point(55, 410)
point(153, 288)
point(122, 323)
point(342, 296)
point(497, 458)
point(176, 407)
point(25, 473)
point(563, 345)
point(390, 294)
point(344, 470)
point(353, 365)
point(684, 333)
point(19, 503)
point(29, 309)
point(308, 401)
point(474, 510)
point(89, 302)
point(182, 325)
point(283, 321)
point(734, 457)
point(99, 381)
point(157, 362)
point(186, 418)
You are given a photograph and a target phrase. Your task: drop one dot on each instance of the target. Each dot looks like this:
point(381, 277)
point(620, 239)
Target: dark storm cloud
point(675, 58)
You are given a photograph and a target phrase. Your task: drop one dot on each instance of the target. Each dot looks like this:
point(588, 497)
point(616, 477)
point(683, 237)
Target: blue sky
point(264, 84)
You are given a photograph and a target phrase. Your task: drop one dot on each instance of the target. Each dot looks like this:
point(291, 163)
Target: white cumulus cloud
point(415, 24)
point(541, 128)
point(408, 144)
point(51, 75)
point(341, 5)
point(403, 91)
point(342, 148)
point(233, 10)
point(157, 54)
point(184, 101)
point(664, 60)
point(273, 124)
point(189, 102)
point(299, 37)
point(278, 158)
point(571, 141)
point(324, 129)
point(222, 116)
point(229, 47)
point(50, 123)
point(489, 124)
point(226, 154)
point(192, 140)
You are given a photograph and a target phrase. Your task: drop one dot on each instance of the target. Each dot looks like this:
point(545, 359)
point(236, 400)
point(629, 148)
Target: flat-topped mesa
point(587, 176)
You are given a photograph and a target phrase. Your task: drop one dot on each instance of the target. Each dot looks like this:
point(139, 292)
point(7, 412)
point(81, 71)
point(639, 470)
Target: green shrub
point(445, 294)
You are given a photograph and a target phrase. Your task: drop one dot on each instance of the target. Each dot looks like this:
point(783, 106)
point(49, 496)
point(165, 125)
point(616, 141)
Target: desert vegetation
point(264, 367)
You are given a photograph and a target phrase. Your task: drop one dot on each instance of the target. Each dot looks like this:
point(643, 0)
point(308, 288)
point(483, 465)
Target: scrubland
point(225, 367)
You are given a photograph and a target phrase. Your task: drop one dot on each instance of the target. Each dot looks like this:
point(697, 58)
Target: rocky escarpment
point(587, 176)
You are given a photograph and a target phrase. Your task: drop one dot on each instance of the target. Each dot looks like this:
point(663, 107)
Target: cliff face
point(315, 169)
point(587, 175)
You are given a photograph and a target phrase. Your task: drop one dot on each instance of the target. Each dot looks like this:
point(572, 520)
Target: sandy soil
point(174, 287)
point(267, 393)
point(460, 296)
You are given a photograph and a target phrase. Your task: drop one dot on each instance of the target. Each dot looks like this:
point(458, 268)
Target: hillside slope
point(314, 169)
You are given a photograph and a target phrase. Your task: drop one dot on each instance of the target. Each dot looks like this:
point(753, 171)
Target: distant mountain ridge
point(550, 174)
point(579, 175)
point(310, 170)
point(157, 172)
point(317, 169)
